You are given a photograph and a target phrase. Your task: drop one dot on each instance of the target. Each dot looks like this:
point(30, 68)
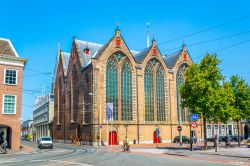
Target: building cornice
point(13, 61)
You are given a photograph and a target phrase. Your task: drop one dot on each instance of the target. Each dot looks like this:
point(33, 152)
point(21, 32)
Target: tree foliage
point(241, 108)
point(241, 93)
point(205, 92)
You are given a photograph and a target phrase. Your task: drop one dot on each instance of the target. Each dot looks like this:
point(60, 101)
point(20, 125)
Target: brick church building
point(141, 87)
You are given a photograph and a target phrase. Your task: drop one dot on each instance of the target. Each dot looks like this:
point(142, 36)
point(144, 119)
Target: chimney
point(86, 50)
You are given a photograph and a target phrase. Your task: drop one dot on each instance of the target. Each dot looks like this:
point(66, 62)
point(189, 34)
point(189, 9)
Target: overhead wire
point(205, 30)
point(211, 40)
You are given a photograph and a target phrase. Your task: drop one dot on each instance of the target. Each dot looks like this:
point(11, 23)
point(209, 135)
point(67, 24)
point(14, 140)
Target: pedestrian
point(72, 140)
point(77, 140)
point(1, 137)
point(80, 139)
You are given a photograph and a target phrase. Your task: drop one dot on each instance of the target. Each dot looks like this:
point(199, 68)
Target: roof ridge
point(84, 41)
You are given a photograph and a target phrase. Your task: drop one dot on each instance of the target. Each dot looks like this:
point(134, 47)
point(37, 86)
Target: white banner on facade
point(109, 111)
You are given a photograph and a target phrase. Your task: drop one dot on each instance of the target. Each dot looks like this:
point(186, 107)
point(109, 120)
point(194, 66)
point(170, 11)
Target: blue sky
point(36, 27)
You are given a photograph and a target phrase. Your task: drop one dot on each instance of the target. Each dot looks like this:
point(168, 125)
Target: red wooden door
point(112, 138)
point(156, 140)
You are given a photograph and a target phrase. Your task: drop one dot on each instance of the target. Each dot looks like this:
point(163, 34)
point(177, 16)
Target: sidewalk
point(175, 149)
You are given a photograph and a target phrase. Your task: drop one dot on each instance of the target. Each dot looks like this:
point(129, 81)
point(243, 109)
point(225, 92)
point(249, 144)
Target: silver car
point(45, 142)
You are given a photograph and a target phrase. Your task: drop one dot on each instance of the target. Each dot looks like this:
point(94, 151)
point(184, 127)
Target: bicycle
point(126, 148)
point(4, 148)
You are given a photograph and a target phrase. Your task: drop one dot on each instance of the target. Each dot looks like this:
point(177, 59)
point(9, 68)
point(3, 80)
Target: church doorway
point(112, 138)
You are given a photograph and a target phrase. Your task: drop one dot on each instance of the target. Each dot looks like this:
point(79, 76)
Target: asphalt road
point(63, 155)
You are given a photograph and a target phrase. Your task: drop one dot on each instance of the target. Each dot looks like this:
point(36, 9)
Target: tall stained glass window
point(160, 94)
point(149, 93)
point(112, 86)
point(179, 82)
point(126, 91)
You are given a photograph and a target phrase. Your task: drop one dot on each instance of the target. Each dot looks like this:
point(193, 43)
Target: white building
point(43, 115)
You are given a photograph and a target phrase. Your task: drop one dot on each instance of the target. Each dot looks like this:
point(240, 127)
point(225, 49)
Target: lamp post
point(100, 120)
point(180, 123)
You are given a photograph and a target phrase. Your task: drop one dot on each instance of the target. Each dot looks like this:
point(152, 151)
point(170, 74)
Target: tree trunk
point(238, 127)
point(205, 133)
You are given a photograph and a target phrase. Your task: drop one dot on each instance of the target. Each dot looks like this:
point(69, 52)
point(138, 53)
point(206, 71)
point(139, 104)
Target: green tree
point(203, 92)
point(241, 107)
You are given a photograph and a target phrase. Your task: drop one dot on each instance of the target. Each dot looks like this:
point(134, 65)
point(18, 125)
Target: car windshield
point(46, 139)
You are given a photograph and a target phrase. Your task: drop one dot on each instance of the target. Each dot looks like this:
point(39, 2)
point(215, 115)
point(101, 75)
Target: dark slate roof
point(139, 57)
point(6, 48)
point(65, 56)
point(171, 60)
point(94, 48)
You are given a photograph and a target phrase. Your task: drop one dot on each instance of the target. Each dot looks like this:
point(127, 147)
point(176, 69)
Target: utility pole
point(180, 123)
point(100, 121)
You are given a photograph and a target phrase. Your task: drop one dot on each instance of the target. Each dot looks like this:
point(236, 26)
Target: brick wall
point(12, 121)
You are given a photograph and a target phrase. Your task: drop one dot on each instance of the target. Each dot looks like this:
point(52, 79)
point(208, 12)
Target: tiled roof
point(139, 57)
point(94, 48)
point(6, 48)
point(171, 60)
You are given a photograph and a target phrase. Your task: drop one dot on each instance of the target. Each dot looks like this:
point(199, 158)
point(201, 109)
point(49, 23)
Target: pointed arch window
point(179, 81)
point(160, 94)
point(112, 85)
point(126, 91)
point(149, 93)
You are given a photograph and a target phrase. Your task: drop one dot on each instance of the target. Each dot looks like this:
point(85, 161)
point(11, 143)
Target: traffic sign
point(194, 117)
point(179, 128)
point(193, 124)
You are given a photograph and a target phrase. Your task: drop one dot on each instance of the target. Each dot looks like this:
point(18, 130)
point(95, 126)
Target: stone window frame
point(16, 77)
point(160, 94)
point(153, 99)
point(113, 88)
point(3, 110)
point(126, 91)
point(180, 78)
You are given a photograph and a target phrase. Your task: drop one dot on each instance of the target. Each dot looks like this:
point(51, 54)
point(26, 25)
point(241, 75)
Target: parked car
point(248, 142)
point(185, 139)
point(210, 139)
point(45, 142)
point(235, 138)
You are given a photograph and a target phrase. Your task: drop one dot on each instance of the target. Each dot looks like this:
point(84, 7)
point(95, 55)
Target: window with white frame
point(209, 131)
point(223, 130)
point(10, 76)
point(9, 104)
point(230, 130)
point(216, 129)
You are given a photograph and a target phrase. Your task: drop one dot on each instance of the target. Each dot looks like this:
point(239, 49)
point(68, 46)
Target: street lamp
point(100, 120)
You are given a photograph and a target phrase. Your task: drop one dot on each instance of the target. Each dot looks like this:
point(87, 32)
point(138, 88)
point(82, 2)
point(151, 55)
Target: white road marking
point(69, 162)
point(60, 161)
